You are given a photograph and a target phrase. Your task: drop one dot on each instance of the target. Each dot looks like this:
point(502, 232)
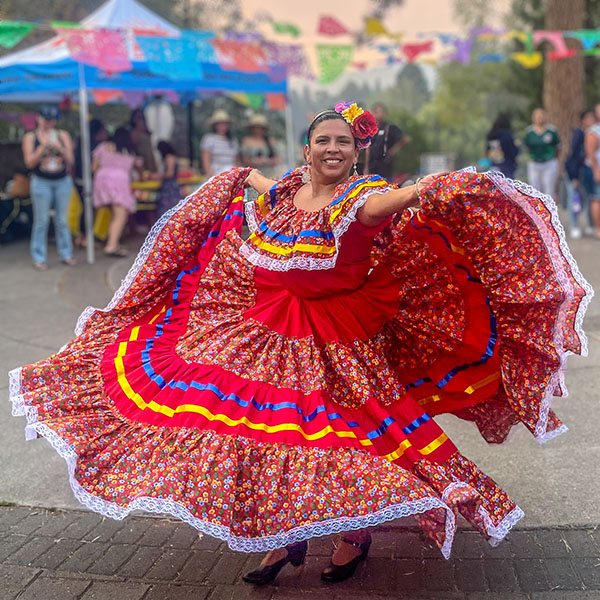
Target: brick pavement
point(78, 555)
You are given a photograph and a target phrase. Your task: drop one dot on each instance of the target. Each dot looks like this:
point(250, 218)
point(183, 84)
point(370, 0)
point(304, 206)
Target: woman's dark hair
point(122, 140)
point(265, 137)
point(584, 113)
point(134, 113)
point(502, 122)
point(96, 126)
point(165, 149)
point(228, 135)
point(326, 115)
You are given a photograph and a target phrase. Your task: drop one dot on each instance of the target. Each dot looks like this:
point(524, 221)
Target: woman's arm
point(170, 163)
point(31, 157)
point(259, 182)
point(67, 147)
point(206, 163)
point(379, 207)
point(591, 146)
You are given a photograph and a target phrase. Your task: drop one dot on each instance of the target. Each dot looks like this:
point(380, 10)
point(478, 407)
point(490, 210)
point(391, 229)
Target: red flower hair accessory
point(362, 123)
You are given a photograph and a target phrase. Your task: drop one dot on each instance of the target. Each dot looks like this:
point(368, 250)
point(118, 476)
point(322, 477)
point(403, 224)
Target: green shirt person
point(542, 141)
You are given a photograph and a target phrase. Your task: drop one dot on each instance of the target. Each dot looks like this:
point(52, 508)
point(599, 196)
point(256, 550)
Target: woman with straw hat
point(258, 149)
point(220, 151)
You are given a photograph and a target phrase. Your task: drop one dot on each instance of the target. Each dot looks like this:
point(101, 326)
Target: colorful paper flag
point(462, 52)
point(374, 26)
point(292, 57)
point(556, 38)
point(12, 32)
point(276, 101)
point(174, 58)
point(241, 56)
point(333, 61)
point(588, 39)
point(284, 28)
point(529, 60)
point(205, 53)
point(331, 26)
point(491, 57)
point(104, 96)
point(412, 51)
point(102, 48)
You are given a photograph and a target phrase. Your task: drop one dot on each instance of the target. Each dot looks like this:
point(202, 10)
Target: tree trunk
point(564, 93)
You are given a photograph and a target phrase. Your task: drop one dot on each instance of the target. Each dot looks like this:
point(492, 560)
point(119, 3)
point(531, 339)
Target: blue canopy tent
point(46, 73)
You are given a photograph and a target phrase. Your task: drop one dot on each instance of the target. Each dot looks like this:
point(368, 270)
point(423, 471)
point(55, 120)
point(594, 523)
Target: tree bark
point(564, 93)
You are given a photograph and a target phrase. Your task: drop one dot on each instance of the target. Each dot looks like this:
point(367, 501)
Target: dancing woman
point(285, 387)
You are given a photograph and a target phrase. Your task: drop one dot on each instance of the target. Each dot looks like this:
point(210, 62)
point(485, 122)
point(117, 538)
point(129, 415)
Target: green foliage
point(466, 101)
point(408, 158)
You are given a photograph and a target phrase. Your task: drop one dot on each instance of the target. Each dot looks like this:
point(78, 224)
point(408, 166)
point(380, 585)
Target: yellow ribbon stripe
point(297, 247)
point(483, 382)
point(434, 445)
point(170, 412)
point(354, 193)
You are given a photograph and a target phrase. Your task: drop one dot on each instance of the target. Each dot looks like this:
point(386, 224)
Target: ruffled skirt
point(208, 392)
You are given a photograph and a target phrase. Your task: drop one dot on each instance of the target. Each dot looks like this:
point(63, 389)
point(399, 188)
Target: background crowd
point(133, 152)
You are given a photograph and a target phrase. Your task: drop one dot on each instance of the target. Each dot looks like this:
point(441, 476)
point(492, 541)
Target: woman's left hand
point(428, 179)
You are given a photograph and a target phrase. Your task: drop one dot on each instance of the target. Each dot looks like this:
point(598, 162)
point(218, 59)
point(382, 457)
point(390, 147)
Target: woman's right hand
point(596, 175)
point(253, 178)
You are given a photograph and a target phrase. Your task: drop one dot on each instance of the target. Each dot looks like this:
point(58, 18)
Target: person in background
point(385, 145)
point(113, 163)
point(48, 152)
point(98, 134)
point(501, 148)
point(592, 160)
point(542, 141)
point(170, 192)
point(220, 151)
point(576, 176)
point(141, 139)
point(258, 149)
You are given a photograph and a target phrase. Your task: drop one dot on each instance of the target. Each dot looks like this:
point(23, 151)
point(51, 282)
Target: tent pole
point(289, 134)
point(84, 131)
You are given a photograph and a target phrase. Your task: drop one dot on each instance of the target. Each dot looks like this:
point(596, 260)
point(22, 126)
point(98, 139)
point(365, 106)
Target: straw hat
point(220, 116)
point(258, 121)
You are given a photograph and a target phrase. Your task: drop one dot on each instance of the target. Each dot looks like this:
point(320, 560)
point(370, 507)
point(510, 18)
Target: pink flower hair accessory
point(363, 124)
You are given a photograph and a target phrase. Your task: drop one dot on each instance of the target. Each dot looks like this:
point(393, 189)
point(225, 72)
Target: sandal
point(40, 266)
point(117, 252)
point(71, 262)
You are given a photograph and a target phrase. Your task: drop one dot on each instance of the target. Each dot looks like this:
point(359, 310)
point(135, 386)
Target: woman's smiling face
point(331, 150)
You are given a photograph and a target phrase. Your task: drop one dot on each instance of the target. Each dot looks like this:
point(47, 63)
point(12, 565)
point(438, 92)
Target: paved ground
point(68, 553)
point(76, 555)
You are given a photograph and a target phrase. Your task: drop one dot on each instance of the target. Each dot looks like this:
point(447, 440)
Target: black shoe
point(336, 573)
point(296, 553)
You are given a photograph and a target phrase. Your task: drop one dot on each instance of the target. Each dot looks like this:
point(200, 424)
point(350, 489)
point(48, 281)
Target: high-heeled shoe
point(336, 573)
point(296, 553)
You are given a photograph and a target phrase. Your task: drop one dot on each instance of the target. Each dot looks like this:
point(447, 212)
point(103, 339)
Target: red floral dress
point(283, 387)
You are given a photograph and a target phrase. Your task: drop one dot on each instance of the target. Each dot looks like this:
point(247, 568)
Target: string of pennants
point(112, 50)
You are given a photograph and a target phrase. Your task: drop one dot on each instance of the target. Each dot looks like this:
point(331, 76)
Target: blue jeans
point(46, 193)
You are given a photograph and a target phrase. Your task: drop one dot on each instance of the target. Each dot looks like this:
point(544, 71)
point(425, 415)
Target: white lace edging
point(251, 216)
point(556, 380)
point(306, 263)
point(140, 259)
point(496, 532)
point(242, 544)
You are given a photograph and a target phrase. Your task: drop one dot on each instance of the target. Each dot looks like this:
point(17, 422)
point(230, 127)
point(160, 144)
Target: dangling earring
point(306, 175)
point(354, 170)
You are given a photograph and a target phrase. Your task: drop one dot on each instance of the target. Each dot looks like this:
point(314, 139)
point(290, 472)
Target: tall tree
point(564, 79)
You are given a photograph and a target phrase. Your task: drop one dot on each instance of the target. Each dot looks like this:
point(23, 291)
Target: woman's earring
point(354, 170)
point(306, 174)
